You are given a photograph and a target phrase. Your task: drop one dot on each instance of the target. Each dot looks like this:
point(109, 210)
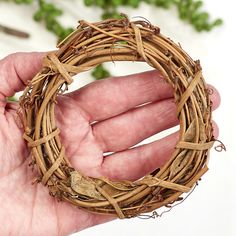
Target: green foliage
point(189, 10)
point(23, 1)
point(100, 72)
point(48, 14)
point(12, 99)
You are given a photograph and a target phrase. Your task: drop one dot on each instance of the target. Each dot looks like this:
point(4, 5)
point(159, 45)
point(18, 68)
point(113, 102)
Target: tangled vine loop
point(119, 40)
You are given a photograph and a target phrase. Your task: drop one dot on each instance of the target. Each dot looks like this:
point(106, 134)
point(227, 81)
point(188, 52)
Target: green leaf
point(12, 99)
point(100, 72)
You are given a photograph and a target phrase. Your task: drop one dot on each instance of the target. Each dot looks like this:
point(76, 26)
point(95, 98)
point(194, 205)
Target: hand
point(114, 103)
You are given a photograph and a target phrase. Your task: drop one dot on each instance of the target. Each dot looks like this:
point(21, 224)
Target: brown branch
point(14, 32)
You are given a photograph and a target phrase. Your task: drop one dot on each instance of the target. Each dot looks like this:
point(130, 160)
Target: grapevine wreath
point(119, 40)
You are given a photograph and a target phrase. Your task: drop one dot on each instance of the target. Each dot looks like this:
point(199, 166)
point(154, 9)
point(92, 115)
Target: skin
point(28, 209)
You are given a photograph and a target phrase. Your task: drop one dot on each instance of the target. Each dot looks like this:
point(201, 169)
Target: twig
point(13, 32)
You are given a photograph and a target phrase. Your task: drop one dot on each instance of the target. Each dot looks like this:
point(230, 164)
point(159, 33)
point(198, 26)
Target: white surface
point(210, 209)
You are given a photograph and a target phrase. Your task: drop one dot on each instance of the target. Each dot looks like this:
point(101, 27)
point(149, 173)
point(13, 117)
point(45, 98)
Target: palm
point(119, 125)
point(38, 213)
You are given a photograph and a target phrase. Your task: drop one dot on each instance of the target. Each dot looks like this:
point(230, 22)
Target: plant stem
point(13, 32)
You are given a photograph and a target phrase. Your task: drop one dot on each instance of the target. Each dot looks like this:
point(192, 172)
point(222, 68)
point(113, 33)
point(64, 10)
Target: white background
point(210, 210)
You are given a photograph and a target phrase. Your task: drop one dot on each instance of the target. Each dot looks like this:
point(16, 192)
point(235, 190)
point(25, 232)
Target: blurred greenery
point(188, 10)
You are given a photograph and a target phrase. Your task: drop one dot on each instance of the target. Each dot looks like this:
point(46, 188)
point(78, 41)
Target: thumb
point(16, 69)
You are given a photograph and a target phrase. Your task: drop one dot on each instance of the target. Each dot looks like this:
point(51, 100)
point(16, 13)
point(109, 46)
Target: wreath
point(119, 40)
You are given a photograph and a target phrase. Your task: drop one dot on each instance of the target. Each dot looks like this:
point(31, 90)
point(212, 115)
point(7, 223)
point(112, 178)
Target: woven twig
point(119, 40)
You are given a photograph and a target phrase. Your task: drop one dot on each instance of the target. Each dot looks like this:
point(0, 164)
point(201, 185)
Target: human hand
point(121, 123)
